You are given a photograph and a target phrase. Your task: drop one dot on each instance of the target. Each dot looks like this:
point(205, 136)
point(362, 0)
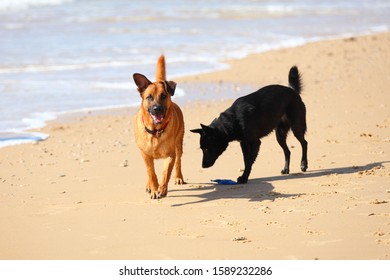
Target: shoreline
point(80, 194)
point(225, 65)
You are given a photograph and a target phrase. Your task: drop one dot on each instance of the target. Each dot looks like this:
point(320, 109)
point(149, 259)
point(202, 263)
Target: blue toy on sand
point(224, 182)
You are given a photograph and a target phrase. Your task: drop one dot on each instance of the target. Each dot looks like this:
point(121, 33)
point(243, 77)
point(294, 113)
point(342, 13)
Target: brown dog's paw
point(179, 181)
point(151, 187)
point(154, 195)
point(162, 191)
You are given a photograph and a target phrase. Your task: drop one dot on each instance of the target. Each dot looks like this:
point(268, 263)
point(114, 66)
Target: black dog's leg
point(249, 151)
point(304, 163)
point(281, 135)
point(300, 135)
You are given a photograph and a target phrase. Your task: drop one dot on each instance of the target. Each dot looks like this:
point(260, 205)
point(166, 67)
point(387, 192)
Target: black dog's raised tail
point(294, 79)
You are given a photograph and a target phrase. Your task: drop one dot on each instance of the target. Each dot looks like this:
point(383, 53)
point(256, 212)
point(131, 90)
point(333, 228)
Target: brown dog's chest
point(157, 147)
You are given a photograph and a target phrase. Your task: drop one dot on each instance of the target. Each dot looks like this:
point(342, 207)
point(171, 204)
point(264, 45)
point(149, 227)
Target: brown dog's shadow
point(261, 189)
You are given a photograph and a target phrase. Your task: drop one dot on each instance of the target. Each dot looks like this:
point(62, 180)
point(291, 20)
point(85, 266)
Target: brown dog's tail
point(160, 72)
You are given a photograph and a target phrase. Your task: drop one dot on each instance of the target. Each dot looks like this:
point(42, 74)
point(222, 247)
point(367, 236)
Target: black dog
point(254, 116)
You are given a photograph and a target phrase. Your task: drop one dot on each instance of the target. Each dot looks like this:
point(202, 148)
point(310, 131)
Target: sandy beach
point(81, 193)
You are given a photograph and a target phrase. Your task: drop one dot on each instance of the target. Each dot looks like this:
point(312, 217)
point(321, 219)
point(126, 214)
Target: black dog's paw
point(304, 166)
point(285, 171)
point(242, 180)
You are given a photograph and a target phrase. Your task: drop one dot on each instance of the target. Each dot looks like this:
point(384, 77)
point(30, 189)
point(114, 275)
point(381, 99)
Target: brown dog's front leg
point(168, 166)
point(179, 179)
point(152, 184)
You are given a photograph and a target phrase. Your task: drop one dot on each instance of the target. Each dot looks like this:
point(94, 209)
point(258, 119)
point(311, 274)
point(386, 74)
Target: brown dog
point(159, 129)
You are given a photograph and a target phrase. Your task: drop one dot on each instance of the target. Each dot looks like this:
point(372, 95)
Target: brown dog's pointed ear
point(170, 87)
point(141, 81)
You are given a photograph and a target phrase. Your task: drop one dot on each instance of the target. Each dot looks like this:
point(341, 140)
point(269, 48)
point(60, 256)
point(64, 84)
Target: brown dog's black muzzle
point(157, 112)
point(157, 109)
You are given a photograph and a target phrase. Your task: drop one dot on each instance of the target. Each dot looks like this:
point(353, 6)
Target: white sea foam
point(16, 138)
point(115, 85)
point(63, 67)
point(12, 5)
point(38, 120)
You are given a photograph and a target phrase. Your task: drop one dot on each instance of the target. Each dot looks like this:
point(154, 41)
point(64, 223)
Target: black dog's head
point(212, 143)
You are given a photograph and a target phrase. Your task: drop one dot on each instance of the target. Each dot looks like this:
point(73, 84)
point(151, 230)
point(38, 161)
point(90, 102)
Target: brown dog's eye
point(149, 98)
point(163, 96)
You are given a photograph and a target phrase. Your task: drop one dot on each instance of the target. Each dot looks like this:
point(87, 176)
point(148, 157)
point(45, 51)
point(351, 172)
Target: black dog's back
point(254, 116)
point(259, 113)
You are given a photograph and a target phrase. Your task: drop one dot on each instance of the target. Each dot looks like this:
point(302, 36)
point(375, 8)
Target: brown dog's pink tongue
point(158, 118)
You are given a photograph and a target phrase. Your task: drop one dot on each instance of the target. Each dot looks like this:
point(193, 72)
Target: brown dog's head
point(156, 97)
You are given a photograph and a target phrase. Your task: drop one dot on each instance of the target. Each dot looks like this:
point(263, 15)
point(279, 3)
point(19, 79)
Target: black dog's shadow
point(260, 189)
point(254, 191)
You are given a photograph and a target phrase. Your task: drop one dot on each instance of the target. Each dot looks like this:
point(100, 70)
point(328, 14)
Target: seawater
point(59, 56)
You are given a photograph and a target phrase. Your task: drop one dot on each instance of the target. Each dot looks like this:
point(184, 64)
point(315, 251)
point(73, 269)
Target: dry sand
point(80, 194)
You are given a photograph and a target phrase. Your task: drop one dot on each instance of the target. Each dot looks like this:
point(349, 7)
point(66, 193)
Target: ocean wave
point(15, 5)
point(36, 68)
point(41, 68)
point(113, 85)
point(16, 138)
point(38, 120)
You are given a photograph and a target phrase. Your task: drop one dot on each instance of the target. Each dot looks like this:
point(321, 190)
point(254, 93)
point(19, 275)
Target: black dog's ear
point(198, 130)
point(204, 129)
point(141, 81)
point(170, 87)
point(207, 129)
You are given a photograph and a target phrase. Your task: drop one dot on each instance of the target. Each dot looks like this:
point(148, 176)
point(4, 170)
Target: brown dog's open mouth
point(157, 118)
